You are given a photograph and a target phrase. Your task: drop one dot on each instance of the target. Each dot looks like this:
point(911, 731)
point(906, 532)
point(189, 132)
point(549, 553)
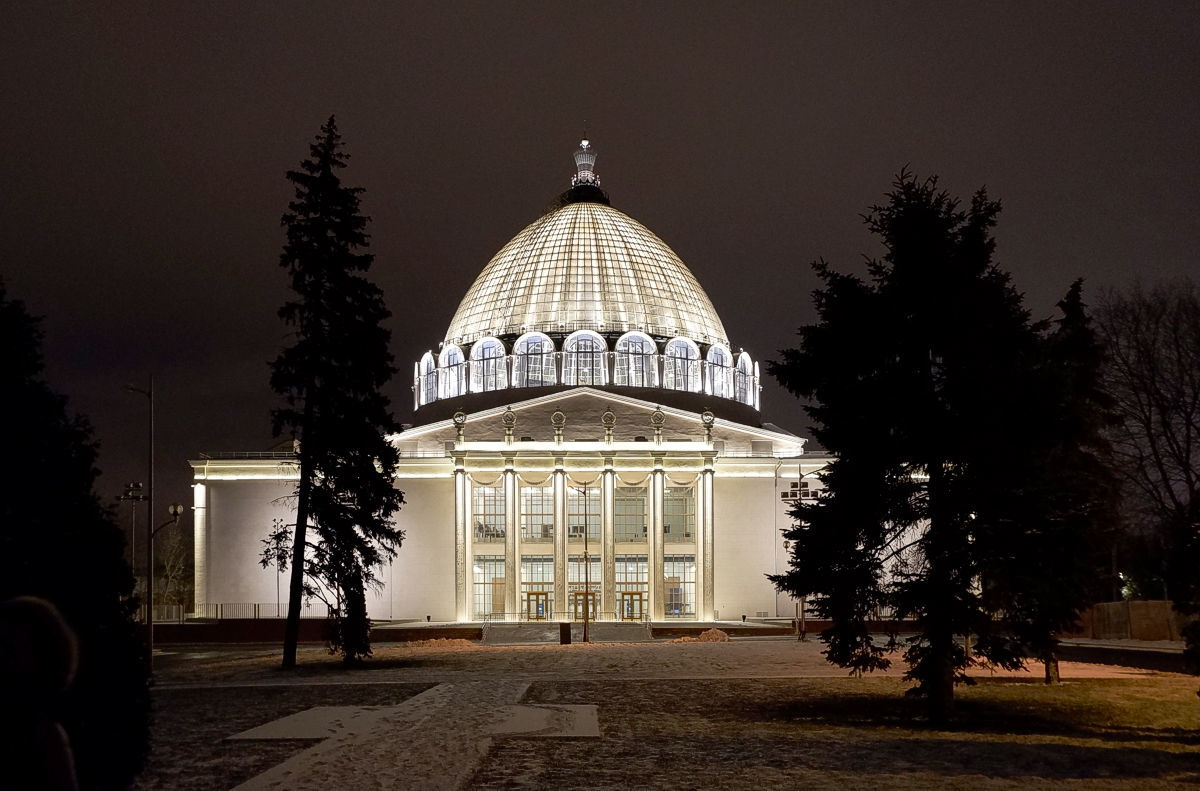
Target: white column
point(463, 562)
point(657, 494)
point(200, 545)
point(512, 558)
point(560, 541)
point(704, 544)
point(608, 586)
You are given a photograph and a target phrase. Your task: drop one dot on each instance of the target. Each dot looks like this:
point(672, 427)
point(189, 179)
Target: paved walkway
point(434, 740)
point(439, 736)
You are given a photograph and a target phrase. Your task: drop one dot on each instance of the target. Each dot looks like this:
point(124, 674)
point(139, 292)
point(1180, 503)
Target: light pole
point(277, 523)
point(587, 562)
point(175, 510)
point(133, 494)
point(149, 393)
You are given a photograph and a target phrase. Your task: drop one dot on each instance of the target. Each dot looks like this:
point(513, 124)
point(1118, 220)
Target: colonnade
point(604, 477)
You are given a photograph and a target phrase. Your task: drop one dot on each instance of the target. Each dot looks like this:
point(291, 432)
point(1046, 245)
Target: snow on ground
point(433, 715)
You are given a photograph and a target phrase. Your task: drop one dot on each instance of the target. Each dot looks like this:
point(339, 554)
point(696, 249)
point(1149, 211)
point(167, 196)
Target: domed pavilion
point(585, 442)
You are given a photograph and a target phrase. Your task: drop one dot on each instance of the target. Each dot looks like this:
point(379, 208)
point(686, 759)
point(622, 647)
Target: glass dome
point(585, 297)
point(586, 266)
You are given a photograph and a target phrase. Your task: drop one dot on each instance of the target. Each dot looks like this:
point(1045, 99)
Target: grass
point(850, 733)
point(695, 717)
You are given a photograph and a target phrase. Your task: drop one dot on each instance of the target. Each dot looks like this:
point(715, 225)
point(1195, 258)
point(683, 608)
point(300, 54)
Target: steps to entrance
point(543, 632)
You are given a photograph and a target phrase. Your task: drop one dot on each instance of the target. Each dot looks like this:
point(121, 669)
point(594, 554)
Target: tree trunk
point(1050, 660)
point(943, 645)
point(291, 629)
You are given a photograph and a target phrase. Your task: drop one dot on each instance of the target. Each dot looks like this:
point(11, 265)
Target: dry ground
point(745, 714)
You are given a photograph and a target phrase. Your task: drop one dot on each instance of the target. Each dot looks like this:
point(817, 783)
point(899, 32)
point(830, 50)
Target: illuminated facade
point(584, 435)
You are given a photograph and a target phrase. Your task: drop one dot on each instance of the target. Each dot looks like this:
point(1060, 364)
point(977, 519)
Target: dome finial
point(585, 163)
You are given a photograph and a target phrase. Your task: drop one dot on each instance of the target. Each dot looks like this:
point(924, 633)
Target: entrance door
point(630, 605)
point(537, 605)
point(577, 600)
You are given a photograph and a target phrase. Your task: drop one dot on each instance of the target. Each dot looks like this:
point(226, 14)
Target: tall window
point(487, 366)
point(584, 361)
point(583, 510)
point(533, 361)
point(537, 514)
point(635, 364)
point(679, 515)
point(487, 595)
point(452, 372)
point(679, 586)
point(744, 380)
point(429, 383)
point(681, 366)
point(632, 586)
point(537, 586)
point(487, 509)
point(720, 371)
point(629, 514)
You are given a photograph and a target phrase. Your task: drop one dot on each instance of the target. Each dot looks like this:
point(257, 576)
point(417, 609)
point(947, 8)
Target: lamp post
point(277, 523)
point(587, 562)
point(149, 393)
point(175, 510)
point(133, 494)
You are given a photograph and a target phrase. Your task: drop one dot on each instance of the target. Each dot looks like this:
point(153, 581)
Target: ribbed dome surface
point(586, 266)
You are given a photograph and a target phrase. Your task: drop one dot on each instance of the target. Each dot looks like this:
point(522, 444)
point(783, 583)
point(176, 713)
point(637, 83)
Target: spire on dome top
point(585, 163)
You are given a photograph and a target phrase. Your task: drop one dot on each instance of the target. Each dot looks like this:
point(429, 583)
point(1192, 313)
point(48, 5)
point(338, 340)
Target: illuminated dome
point(586, 296)
point(586, 265)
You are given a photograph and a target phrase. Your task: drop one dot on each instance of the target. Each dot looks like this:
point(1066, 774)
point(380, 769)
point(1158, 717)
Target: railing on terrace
point(567, 615)
point(222, 610)
point(289, 456)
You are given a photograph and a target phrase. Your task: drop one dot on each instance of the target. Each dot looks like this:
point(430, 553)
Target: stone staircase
point(547, 632)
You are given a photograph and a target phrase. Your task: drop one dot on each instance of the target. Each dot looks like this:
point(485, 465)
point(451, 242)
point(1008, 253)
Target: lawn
point(745, 714)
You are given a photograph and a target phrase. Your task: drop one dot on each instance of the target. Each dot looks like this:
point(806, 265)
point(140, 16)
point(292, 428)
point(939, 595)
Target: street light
point(175, 510)
point(133, 494)
point(587, 562)
point(149, 393)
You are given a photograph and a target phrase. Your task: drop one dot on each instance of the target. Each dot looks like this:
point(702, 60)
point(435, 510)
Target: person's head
point(38, 650)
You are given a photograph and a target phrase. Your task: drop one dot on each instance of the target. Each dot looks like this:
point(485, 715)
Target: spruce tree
point(910, 376)
point(331, 380)
point(58, 543)
point(1045, 549)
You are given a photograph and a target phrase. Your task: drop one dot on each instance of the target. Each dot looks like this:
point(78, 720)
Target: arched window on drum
point(636, 364)
point(681, 365)
point(488, 370)
point(533, 361)
point(719, 371)
point(452, 372)
point(583, 363)
point(428, 384)
point(743, 380)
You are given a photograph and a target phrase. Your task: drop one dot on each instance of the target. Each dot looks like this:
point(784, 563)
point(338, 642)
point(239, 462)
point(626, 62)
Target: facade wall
point(744, 536)
point(239, 515)
point(422, 575)
point(724, 537)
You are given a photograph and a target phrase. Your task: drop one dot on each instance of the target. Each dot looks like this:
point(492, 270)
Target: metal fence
point(223, 610)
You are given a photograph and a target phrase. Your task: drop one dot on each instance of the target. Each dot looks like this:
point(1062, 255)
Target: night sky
point(144, 148)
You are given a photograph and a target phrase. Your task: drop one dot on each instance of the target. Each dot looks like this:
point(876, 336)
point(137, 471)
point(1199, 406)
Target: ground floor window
point(537, 587)
point(679, 586)
point(488, 586)
point(583, 588)
point(632, 580)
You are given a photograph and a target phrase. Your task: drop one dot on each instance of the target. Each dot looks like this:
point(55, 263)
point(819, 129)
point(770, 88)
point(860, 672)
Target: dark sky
point(144, 148)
